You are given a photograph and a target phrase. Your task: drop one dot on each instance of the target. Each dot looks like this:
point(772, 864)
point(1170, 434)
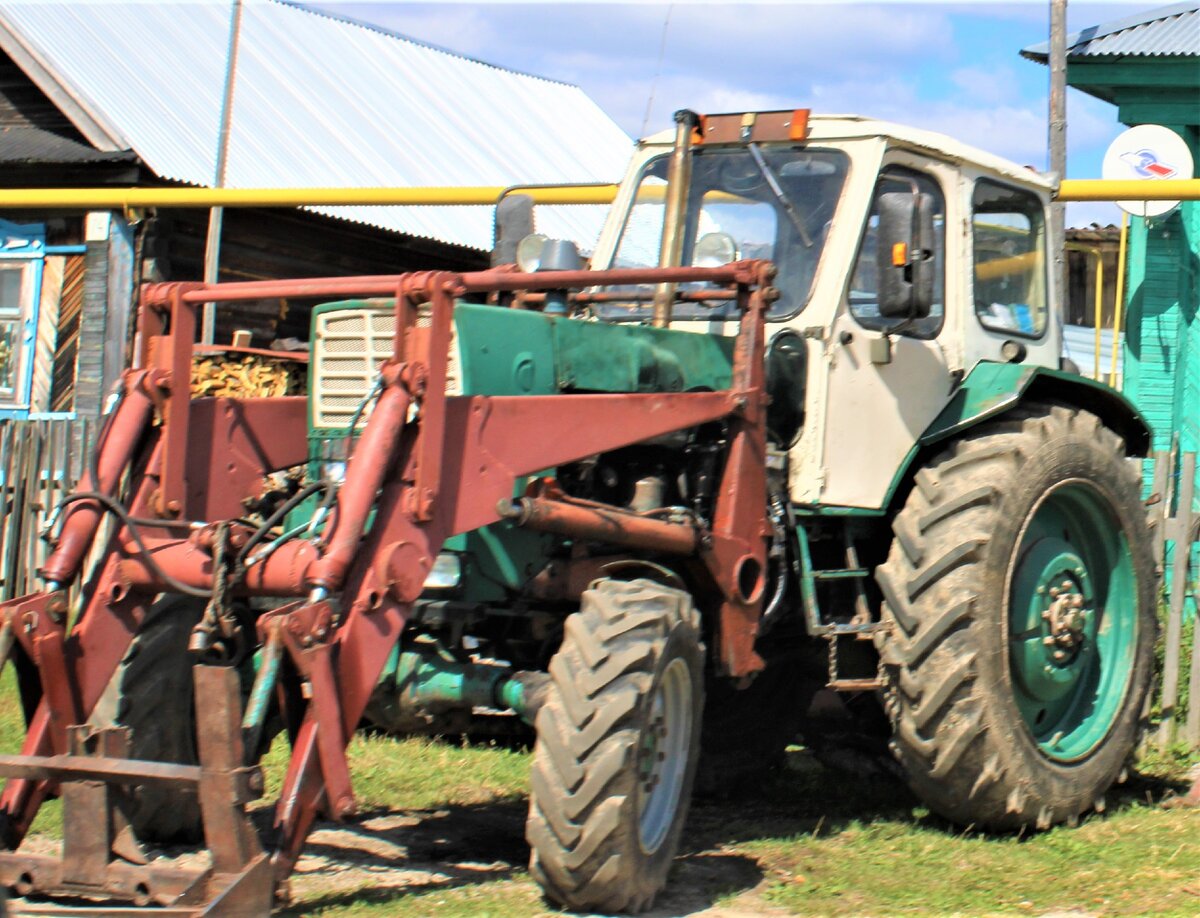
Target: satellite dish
point(1148, 152)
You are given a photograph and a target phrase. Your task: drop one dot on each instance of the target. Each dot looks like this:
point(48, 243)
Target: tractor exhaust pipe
point(679, 177)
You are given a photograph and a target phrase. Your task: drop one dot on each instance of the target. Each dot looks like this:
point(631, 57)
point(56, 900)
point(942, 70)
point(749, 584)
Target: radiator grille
point(348, 347)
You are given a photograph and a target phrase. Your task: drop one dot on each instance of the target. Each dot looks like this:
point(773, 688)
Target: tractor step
point(854, 685)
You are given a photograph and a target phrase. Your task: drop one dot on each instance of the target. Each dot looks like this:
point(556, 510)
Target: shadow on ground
point(386, 856)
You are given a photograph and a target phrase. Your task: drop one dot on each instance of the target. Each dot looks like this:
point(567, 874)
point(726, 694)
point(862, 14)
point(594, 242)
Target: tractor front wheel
point(617, 745)
point(1020, 591)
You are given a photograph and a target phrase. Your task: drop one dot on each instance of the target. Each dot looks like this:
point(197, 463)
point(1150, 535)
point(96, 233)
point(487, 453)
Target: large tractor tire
point(617, 744)
point(155, 700)
point(1020, 591)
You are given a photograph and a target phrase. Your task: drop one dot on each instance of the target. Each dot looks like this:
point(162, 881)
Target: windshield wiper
point(781, 196)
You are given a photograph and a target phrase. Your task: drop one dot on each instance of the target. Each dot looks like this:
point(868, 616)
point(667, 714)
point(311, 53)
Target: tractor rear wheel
point(617, 745)
point(1020, 591)
point(155, 700)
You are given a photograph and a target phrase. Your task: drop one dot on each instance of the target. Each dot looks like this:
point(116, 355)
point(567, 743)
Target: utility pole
point(216, 216)
point(1058, 140)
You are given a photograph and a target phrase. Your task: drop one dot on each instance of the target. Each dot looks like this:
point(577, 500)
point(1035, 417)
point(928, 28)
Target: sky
point(949, 67)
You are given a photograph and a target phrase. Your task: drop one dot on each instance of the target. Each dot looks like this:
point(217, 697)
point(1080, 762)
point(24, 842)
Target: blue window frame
point(22, 257)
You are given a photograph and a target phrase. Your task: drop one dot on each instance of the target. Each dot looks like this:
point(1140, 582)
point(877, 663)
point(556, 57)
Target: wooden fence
point(1174, 521)
point(40, 461)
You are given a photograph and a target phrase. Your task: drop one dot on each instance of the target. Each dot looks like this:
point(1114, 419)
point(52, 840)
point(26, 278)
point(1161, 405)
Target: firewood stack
point(246, 376)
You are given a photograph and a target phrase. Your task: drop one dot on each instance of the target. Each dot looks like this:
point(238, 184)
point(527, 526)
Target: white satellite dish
point(1148, 152)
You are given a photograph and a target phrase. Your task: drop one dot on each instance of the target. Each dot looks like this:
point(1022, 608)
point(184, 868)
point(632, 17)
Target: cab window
point(777, 206)
point(1009, 246)
point(864, 283)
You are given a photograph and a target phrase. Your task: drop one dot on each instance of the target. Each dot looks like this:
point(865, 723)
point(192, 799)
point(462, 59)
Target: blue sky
point(951, 67)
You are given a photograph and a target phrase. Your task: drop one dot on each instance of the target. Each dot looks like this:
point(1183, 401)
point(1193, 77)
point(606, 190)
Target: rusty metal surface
point(737, 560)
point(97, 768)
point(470, 282)
point(233, 444)
point(424, 482)
point(228, 832)
point(44, 875)
point(602, 524)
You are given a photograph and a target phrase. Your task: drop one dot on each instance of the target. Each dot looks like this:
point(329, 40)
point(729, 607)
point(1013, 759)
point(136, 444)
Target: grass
point(807, 842)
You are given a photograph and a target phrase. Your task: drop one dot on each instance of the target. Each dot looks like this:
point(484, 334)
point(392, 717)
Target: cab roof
point(855, 127)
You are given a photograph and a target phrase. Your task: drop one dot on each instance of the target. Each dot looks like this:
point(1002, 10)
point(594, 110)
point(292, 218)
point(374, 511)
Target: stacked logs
point(246, 376)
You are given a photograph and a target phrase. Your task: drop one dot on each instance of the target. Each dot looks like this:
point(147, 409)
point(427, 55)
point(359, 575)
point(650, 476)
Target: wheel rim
point(1073, 621)
point(662, 755)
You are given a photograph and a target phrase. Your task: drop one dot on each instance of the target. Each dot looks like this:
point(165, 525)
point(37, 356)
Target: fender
point(990, 389)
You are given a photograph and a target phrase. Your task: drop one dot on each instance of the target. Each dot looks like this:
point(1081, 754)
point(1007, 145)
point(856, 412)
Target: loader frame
point(175, 472)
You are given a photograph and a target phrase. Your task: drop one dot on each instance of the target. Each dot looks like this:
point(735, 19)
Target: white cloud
point(869, 59)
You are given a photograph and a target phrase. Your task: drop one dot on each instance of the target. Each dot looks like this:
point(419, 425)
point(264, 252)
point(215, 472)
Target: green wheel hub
point(1073, 622)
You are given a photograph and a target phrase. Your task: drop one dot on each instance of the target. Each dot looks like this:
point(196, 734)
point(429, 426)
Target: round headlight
point(529, 252)
point(713, 250)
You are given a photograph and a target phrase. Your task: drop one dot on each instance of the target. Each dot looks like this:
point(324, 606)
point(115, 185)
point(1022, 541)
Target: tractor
point(792, 457)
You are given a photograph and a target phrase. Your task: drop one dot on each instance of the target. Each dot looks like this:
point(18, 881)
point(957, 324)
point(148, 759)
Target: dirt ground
point(458, 846)
point(466, 845)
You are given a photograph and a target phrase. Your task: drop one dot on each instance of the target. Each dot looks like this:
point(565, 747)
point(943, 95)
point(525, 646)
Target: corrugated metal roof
point(319, 101)
point(27, 144)
point(1168, 31)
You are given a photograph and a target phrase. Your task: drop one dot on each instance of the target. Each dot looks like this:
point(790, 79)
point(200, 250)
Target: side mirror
point(904, 255)
point(514, 221)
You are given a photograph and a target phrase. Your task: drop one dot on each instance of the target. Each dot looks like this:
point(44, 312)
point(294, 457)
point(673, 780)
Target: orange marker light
point(900, 254)
point(798, 129)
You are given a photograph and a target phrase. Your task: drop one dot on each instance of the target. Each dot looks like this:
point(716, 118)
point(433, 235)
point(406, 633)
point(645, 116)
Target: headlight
point(529, 252)
point(446, 573)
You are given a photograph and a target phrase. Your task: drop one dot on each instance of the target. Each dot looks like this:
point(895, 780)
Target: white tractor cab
point(812, 203)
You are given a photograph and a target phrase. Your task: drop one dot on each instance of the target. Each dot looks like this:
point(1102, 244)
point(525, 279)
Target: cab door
point(888, 377)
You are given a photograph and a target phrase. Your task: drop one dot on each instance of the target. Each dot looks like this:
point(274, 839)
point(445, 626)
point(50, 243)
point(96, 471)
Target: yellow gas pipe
point(487, 195)
point(1128, 190)
point(1112, 372)
point(136, 198)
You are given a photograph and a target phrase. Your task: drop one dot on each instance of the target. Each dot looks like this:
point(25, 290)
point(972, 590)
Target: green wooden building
point(1148, 65)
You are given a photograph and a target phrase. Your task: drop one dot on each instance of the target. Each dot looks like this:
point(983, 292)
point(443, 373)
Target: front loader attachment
point(100, 856)
point(177, 475)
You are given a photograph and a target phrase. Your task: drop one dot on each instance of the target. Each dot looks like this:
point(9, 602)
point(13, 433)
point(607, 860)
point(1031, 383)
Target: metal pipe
point(679, 177)
point(1129, 190)
point(282, 574)
point(452, 195)
point(364, 477)
point(1057, 141)
point(260, 694)
point(601, 524)
point(216, 216)
point(449, 195)
point(472, 282)
point(424, 681)
point(1117, 308)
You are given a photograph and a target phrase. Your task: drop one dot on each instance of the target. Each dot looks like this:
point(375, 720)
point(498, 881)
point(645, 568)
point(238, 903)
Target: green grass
point(419, 774)
point(1137, 862)
point(807, 842)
